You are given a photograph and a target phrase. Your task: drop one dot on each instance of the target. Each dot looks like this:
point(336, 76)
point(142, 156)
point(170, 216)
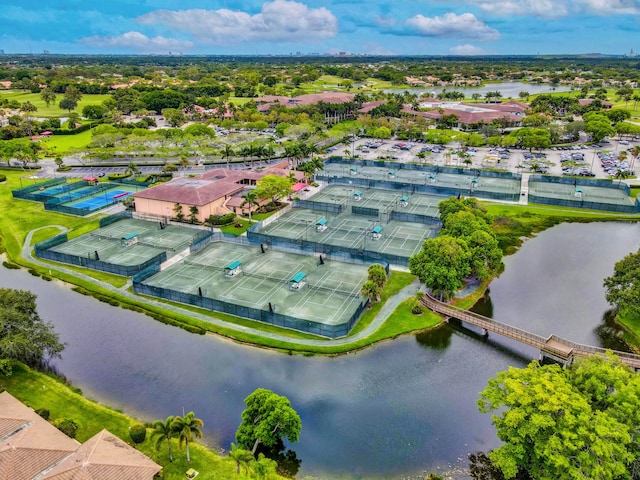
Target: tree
point(68, 104)
point(227, 153)
point(48, 96)
point(577, 422)
point(623, 288)
point(371, 290)
point(93, 112)
point(177, 209)
point(264, 466)
point(241, 456)
point(193, 213)
point(28, 107)
point(186, 429)
point(163, 430)
point(250, 198)
point(274, 187)
point(267, 419)
point(377, 274)
point(442, 264)
point(72, 93)
point(24, 336)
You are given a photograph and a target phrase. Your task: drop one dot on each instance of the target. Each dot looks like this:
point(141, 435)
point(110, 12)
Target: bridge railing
point(523, 336)
point(580, 349)
point(484, 322)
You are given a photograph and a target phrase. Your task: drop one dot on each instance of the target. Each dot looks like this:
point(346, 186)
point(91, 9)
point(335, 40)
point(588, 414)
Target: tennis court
point(586, 193)
point(426, 177)
point(349, 231)
point(107, 242)
point(400, 200)
point(330, 294)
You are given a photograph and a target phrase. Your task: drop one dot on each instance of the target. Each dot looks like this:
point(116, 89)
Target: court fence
point(319, 206)
point(309, 247)
point(43, 250)
point(582, 202)
point(426, 188)
point(116, 217)
point(27, 193)
point(261, 315)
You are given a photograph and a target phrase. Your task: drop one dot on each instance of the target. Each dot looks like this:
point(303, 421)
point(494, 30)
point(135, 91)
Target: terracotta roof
point(367, 107)
point(104, 457)
point(29, 444)
point(190, 191)
point(210, 186)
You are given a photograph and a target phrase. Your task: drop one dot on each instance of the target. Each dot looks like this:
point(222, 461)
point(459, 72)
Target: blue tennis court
point(82, 192)
point(106, 198)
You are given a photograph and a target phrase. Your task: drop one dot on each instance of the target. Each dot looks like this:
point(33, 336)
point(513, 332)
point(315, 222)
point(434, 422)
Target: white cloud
point(608, 7)
point(138, 42)
point(537, 8)
point(465, 25)
point(558, 8)
point(467, 50)
point(279, 20)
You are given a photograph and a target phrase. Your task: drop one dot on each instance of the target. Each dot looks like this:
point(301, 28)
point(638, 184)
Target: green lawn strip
point(396, 282)
point(404, 321)
point(61, 144)
point(52, 110)
point(232, 229)
point(39, 390)
point(240, 100)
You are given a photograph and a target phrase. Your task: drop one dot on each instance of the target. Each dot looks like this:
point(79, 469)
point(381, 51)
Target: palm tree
point(228, 153)
point(184, 162)
point(241, 457)
point(371, 290)
point(635, 153)
point(250, 198)
point(621, 175)
point(476, 97)
point(163, 431)
point(186, 428)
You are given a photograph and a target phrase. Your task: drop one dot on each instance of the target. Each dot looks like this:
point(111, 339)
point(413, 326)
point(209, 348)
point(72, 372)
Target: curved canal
point(400, 407)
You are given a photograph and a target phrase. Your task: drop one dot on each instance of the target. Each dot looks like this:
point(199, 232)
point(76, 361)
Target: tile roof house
point(31, 448)
point(210, 192)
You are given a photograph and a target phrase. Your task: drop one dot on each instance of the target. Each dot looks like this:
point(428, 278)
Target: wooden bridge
point(553, 347)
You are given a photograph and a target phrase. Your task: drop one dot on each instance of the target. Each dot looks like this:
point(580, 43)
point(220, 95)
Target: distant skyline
point(283, 27)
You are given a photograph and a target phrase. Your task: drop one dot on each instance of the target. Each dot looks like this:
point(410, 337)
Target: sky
point(283, 27)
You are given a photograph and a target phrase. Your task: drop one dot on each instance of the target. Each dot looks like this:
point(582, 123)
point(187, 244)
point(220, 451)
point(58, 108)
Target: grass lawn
point(62, 144)
point(234, 230)
point(38, 390)
point(53, 110)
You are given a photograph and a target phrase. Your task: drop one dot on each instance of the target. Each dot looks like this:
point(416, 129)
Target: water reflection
point(610, 333)
point(395, 409)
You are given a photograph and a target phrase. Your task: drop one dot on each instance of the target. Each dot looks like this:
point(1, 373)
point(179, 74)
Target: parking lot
point(575, 160)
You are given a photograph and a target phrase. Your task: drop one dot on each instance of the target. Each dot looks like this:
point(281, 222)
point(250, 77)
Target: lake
point(396, 409)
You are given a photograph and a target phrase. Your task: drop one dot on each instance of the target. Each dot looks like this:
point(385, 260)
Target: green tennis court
point(352, 231)
point(330, 294)
point(107, 242)
point(424, 177)
point(587, 193)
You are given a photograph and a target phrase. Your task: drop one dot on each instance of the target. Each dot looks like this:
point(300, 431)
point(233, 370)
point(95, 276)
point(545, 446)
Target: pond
point(398, 408)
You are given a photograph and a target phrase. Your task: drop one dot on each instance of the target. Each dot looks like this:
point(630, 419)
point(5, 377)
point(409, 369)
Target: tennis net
point(203, 265)
point(104, 237)
point(334, 290)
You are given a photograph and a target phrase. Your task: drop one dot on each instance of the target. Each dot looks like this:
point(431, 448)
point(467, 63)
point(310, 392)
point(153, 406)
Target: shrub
point(222, 219)
point(67, 426)
point(416, 309)
point(3, 178)
point(138, 433)
point(43, 412)
point(118, 176)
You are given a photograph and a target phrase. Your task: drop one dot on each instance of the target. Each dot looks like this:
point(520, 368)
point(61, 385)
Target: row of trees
point(465, 247)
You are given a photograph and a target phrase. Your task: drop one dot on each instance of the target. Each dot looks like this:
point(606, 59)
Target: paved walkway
point(385, 312)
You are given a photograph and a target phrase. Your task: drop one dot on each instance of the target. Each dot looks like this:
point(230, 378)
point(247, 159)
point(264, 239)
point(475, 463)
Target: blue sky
point(395, 27)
